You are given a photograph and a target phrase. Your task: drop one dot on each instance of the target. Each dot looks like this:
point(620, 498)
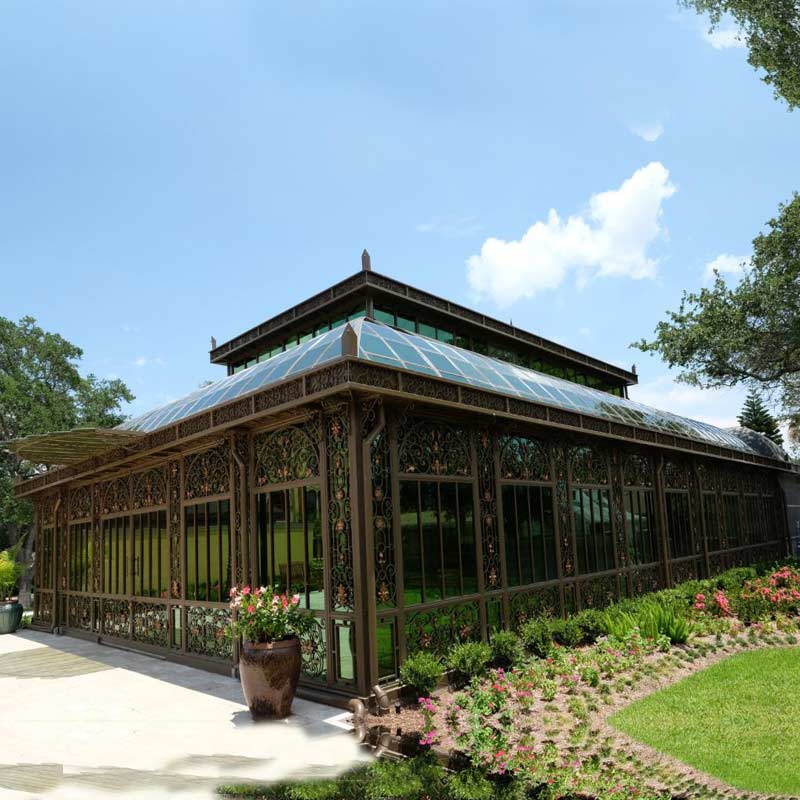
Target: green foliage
point(771, 31)
point(566, 632)
point(43, 391)
point(590, 623)
point(618, 623)
point(748, 334)
point(469, 660)
point(653, 619)
point(421, 672)
point(469, 784)
point(755, 415)
point(10, 571)
point(537, 637)
point(507, 649)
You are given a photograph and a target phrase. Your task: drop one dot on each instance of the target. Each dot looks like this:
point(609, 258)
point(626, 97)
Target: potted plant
point(270, 626)
point(10, 573)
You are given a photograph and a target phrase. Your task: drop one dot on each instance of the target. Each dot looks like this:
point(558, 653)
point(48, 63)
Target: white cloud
point(726, 264)
point(649, 131)
point(716, 406)
point(143, 361)
point(610, 238)
point(451, 226)
point(723, 38)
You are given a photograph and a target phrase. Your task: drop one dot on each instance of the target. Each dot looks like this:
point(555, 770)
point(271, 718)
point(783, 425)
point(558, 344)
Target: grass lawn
point(736, 720)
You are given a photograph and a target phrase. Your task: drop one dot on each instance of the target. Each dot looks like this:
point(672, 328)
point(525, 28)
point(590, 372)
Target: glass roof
point(382, 344)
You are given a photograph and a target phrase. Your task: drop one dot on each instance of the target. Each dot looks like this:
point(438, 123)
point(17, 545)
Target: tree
point(771, 31)
point(41, 390)
point(749, 334)
point(755, 415)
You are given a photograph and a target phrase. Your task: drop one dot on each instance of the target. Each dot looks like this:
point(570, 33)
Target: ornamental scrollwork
point(114, 496)
point(637, 470)
point(288, 454)
point(337, 438)
point(150, 624)
point(381, 500)
point(437, 629)
point(563, 506)
point(80, 503)
point(677, 475)
point(117, 618)
point(544, 602)
point(47, 511)
point(523, 458)
point(207, 473)
point(206, 632)
point(241, 510)
point(150, 488)
point(313, 651)
point(487, 508)
point(80, 613)
point(598, 592)
point(174, 512)
point(588, 465)
point(432, 448)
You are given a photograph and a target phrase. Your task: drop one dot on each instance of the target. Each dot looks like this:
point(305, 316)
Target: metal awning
point(69, 447)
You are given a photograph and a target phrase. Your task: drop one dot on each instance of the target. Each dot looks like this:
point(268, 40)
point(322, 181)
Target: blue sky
point(173, 171)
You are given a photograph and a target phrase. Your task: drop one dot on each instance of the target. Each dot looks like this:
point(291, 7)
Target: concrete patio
point(80, 720)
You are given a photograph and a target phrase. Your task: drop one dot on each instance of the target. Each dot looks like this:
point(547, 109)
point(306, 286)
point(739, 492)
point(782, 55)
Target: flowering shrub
point(776, 593)
point(263, 616)
point(427, 708)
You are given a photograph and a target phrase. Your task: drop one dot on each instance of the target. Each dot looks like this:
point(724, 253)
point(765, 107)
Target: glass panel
point(510, 528)
point(316, 588)
point(730, 504)
point(345, 647)
point(711, 521)
point(469, 559)
point(593, 536)
point(450, 540)
point(431, 542)
point(387, 649)
point(678, 525)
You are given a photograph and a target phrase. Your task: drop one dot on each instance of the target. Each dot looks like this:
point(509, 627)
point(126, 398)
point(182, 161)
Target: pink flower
point(295, 599)
point(246, 590)
point(251, 608)
point(233, 592)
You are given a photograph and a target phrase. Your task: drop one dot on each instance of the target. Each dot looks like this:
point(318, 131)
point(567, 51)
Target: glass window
point(640, 526)
point(438, 540)
point(711, 521)
point(529, 534)
point(406, 324)
point(44, 558)
point(679, 528)
point(80, 557)
point(384, 315)
point(733, 524)
point(754, 525)
point(344, 651)
point(387, 649)
point(290, 556)
point(150, 554)
point(116, 555)
point(593, 536)
point(427, 330)
point(208, 551)
point(445, 336)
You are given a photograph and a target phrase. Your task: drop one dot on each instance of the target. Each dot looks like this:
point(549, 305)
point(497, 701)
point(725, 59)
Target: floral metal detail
point(684, 571)
point(337, 438)
point(150, 624)
point(637, 470)
point(206, 632)
point(598, 592)
point(114, 496)
point(588, 465)
point(241, 445)
point(80, 503)
point(487, 510)
point(208, 473)
point(620, 532)
point(565, 541)
point(523, 458)
point(313, 652)
point(431, 448)
point(535, 603)
point(117, 618)
point(174, 515)
point(43, 607)
point(383, 535)
point(150, 488)
point(79, 614)
point(677, 475)
point(288, 454)
point(643, 580)
point(436, 629)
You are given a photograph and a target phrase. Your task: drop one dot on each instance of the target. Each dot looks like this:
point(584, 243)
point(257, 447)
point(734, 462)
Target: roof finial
point(366, 264)
point(213, 343)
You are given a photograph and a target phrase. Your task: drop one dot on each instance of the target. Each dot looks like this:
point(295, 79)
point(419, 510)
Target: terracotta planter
point(10, 615)
point(269, 673)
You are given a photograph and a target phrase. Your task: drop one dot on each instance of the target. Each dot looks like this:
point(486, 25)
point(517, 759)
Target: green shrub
point(507, 649)
point(469, 784)
point(566, 632)
point(590, 622)
point(10, 571)
point(469, 660)
point(421, 672)
point(537, 637)
point(618, 624)
point(408, 779)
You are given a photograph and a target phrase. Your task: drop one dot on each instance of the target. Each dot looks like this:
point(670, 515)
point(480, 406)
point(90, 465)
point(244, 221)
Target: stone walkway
point(79, 720)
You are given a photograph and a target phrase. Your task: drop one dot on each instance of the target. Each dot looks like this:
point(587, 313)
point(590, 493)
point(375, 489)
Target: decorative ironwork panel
point(314, 652)
point(47, 511)
point(588, 465)
point(383, 535)
point(175, 578)
point(677, 474)
point(97, 557)
point(150, 488)
point(337, 438)
point(43, 607)
point(288, 454)
point(534, 603)
point(62, 543)
point(206, 632)
point(117, 618)
point(642, 580)
point(80, 503)
point(150, 624)
point(566, 547)
point(682, 571)
point(598, 592)
point(523, 458)
point(436, 629)
point(242, 445)
point(79, 614)
point(637, 470)
point(620, 531)
point(433, 448)
point(487, 508)
point(114, 496)
point(208, 473)
point(708, 477)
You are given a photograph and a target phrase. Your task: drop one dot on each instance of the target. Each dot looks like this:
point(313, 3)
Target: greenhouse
point(416, 471)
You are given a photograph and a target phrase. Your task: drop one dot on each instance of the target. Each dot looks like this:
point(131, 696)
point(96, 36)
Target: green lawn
point(737, 720)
